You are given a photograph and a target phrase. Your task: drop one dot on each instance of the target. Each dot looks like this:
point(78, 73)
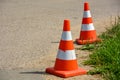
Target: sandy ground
point(30, 30)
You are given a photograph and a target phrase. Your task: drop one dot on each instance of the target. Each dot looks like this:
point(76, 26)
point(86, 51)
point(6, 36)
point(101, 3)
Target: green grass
point(106, 57)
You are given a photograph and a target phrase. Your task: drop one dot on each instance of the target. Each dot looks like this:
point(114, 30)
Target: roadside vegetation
point(106, 55)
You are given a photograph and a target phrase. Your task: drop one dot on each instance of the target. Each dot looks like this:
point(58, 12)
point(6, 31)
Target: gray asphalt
point(30, 30)
point(21, 75)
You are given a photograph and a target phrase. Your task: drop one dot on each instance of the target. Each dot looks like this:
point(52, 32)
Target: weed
point(106, 57)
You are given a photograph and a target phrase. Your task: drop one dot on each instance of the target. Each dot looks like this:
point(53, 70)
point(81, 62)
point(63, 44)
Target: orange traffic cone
point(66, 63)
point(88, 32)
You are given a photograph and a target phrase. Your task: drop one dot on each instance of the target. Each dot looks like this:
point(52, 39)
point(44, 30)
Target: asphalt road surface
point(31, 29)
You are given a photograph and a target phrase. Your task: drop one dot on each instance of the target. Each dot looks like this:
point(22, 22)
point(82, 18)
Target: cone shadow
point(34, 72)
point(55, 42)
point(74, 42)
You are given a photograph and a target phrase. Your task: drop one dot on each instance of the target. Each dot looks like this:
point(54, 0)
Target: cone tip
point(66, 26)
point(86, 6)
point(66, 20)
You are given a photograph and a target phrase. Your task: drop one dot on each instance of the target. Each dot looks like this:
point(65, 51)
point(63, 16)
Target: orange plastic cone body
point(66, 63)
point(88, 33)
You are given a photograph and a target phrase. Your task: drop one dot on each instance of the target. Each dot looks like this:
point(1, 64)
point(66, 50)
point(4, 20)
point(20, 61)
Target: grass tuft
point(106, 57)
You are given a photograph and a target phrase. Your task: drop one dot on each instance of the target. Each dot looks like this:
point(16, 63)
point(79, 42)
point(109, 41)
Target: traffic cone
point(66, 63)
point(88, 32)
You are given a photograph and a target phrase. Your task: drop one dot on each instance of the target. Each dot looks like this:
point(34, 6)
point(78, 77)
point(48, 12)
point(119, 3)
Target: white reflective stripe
point(66, 35)
point(86, 14)
point(66, 55)
point(86, 27)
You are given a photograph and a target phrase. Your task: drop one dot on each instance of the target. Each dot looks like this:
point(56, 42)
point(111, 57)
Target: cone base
point(78, 41)
point(66, 74)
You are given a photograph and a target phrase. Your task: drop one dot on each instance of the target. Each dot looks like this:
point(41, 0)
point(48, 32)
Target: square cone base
point(78, 41)
point(66, 74)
